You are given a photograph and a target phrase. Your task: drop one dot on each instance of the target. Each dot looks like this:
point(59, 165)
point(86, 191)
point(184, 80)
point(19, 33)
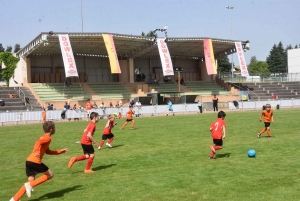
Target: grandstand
point(206, 88)
point(111, 91)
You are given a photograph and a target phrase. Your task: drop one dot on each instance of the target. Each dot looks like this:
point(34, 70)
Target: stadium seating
point(111, 91)
point(57, 91)
point(206, 88)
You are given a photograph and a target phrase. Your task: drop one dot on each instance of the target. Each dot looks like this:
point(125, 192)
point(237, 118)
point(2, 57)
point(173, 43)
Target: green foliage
point(143, 34)
point(163, 159)
point(17, 48)
point(1, 48)
point(276, 60)
point(296, 46)
point(8, 49)
point(224, 65)
point(259, 67)
point(11, 63)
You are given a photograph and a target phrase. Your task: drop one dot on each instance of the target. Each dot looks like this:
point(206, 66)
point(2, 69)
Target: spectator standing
point(200, 106)
point(95, 105)
point(215, 103)
point(49, 107)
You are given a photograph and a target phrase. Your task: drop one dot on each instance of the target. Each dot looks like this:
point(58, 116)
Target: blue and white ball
point(251, 153)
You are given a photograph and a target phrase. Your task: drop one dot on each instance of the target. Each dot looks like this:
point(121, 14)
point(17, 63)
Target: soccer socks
point(39, 181)
point(132, 124)
point(269, 133)
point(89, 163)
point(80, 158)
point(216, 148)
point(124, 126)
point(101, 143)
point(20, 193)
point(262, 131)
point(110, 140)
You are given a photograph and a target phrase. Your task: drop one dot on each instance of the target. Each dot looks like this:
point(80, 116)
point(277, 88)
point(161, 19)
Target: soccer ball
point(251, 153)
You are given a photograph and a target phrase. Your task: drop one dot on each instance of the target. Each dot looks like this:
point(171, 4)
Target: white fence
point(24, 116)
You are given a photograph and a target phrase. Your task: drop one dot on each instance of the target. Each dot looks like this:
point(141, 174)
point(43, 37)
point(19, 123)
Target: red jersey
point(90, 128)
point(267, 115)
point(88, 106)
point(217, 128)
point(109, 125)
point(41, 147)
point(129, 114)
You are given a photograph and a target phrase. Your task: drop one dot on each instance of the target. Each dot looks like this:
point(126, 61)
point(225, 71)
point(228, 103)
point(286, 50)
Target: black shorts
point(35, 168)
point(127, 120)
point(218, 142)
point(267, 124)
point(87, 149)
point(107, 136)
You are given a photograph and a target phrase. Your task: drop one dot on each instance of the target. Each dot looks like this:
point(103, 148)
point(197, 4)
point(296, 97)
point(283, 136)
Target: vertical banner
point(112, 54)
point(165, 57)
point(67, 54)
point(240, 53)
point(209, 57)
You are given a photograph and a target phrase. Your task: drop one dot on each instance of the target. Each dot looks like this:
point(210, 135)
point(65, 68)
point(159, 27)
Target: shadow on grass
point(120, 145)
point(101, 167)
point(58, 194)
point(226, 155)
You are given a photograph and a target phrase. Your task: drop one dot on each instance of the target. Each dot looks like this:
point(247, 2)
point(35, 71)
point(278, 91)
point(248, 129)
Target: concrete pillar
point(131, 70)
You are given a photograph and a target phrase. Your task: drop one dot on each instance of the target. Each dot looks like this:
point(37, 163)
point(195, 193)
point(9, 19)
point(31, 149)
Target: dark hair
point(93, 115)
point(48, 125)
point(221, 114)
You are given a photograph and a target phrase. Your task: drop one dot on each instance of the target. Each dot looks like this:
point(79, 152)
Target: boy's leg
point(110, 140)
point(79, 158)
point(261, 132)
point(20, 193)
point(124, 125)
point(132, 123)
point(89, 163)
point(269, 132)
point(29, 185)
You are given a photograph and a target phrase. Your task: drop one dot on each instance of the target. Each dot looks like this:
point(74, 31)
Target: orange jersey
point(44, 114)
point(40, 148)
point(130, 113)
point(109, 125)
point(217, 128)
point(88, 106)
point(267, 115)
point(90, 128)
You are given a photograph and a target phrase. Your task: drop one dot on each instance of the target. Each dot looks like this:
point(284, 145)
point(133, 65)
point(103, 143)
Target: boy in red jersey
point(268, 117)
point(88, 107)
point(107, 132)
point(34, 163)
point(86, 142)
point(217, 128)
point(129, 115)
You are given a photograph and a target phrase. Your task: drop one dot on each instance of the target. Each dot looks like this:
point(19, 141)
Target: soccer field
point(164, 158)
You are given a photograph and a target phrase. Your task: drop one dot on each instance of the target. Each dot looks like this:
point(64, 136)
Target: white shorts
point(89, 112)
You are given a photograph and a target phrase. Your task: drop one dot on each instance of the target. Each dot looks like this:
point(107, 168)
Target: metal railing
point(25, 100)
point(261, 77)
point(240, 88)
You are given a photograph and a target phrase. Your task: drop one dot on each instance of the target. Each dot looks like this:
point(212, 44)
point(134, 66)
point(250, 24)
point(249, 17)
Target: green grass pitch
point(164, 158)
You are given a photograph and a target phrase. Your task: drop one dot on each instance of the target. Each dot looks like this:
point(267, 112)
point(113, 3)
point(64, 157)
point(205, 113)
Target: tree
point(143, 34)
point(259, 67)
point(17, 48)
point(1, 48)
point(296, 47)
point(151, 33)
point(224, 65)
point(252, 60)
point(275, 60)
point(10, 63)
point(8, 49)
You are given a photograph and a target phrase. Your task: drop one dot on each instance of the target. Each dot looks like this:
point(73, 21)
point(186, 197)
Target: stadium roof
point(127, 46)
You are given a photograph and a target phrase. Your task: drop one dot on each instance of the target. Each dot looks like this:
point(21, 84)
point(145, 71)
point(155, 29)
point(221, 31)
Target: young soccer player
point(86, 142)
point(107, 132)
point(43, 115)
point(217, 128)
point(34, 163)
point(268, 117)
point(129, 115)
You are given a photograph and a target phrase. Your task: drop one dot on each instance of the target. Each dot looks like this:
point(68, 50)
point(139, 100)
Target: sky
point(262, 22)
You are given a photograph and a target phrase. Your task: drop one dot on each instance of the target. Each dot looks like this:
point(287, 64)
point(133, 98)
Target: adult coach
point(215, 103)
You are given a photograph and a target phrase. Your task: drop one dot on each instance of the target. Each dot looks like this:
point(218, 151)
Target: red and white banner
point(165, 57)
point(67, 54)
point(240, 53)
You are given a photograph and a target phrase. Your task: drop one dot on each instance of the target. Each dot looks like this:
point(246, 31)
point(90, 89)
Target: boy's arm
point(56, 152)
point(272, 118)
point(224, 132)
point(92, 139)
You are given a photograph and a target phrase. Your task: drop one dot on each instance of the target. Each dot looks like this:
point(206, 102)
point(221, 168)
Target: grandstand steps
point(90, 92)
point(11, 104)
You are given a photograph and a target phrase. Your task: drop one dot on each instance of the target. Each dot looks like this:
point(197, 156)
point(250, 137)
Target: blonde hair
point(268, 105)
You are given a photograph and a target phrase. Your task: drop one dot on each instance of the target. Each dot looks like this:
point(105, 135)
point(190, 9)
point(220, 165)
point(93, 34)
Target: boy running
point(107, 132)
point(268, 117)
point(129, 115)
point(216, 129)
point(86, 142)
point(34, 163)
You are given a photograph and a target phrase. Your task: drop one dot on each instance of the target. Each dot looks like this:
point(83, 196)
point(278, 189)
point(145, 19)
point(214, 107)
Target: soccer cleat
point(109, 145)
point(212, 157)
point(258, 135)
point(269, 137)
point(28, 189)
point(122, 129)
point(88, 171)
point(212, 149)
point(99, 147)
point(71, 162)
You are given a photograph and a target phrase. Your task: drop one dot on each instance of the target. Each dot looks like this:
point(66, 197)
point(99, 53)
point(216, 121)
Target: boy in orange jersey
point(88, 107)
point(217, 128)
point(43, 116)
point(129, 115)
point(107, 132)
point(268, 117)
point(86, 142)
point(34, 163)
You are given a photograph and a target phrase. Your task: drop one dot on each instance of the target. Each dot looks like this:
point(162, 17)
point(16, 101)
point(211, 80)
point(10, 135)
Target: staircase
point(11, 104)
